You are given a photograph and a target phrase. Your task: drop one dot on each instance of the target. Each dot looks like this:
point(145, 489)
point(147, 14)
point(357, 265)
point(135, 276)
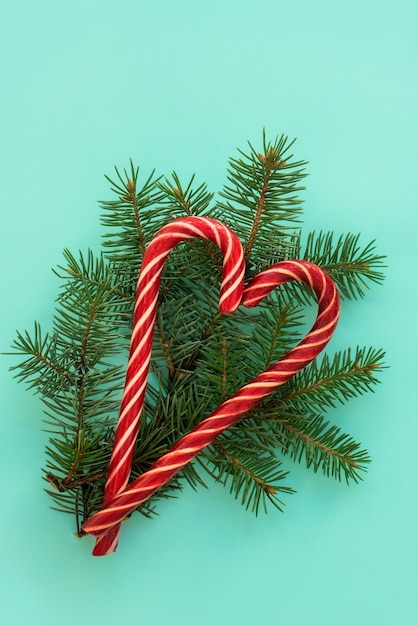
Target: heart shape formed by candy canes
point(121, 500)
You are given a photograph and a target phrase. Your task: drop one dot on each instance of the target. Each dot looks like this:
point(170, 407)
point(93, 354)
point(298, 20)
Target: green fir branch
point(132, 219)
point(186, 200)
point(276, 330)
point(253, 478)
point(44, 368)
point(352, 267)
point(326, 382)
point(323, 446)
point(262, 190)
point(200, 356)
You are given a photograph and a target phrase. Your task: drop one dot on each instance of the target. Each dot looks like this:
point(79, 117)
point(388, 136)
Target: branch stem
point(266, 488)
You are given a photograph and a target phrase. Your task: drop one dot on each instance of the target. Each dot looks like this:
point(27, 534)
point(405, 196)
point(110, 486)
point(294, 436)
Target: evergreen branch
point(275, 331)
point(323, 446)
point(262, 191)
point(79, 408)
point(254, 478)
point(268, 159)
point(249, 472)
point(165, 345)
point(212, 325)
point(131, 198)
point(222, 363)
point(92, 270)
point(185, 201)
point(351, 267)
point(200, 357)
point(131, 218)
point(224, 372)
point(71, 483)
point(326, 382)
point(189, 201)
point(173, 415)
point(190, 266)
point(89, 300)
point(45, 369)
point(287, 247)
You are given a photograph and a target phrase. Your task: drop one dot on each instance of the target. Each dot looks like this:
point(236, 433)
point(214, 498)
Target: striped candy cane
point(246, 398)
point(141, 341)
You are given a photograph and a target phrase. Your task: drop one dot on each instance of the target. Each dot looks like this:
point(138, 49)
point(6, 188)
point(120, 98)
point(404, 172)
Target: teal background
point(179, 85)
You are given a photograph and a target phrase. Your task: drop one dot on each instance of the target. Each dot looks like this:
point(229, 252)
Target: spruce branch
point(325, 382)
point(275, 330)
point(253, 478)
point(323, 446)
point(44, 369)
point(352, 267)
point(270, 161)
point(185, 200)
point(133, 217)
point(200, 356)
point(80, 405)
point(262, 191)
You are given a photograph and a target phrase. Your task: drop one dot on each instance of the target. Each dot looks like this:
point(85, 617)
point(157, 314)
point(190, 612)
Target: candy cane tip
point(99, 552)
point(106, 542)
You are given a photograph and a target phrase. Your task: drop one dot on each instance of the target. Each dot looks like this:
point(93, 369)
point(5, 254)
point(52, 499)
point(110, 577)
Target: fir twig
point(326, 382)
point(262, 191)
point(255, 479)
point(323, 446)
point(352, 267)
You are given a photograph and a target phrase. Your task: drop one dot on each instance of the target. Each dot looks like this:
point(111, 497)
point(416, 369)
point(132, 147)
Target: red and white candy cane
point(141, 341)
point(242, 401)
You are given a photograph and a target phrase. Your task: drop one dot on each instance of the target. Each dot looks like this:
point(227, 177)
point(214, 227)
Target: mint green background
point(86, 84)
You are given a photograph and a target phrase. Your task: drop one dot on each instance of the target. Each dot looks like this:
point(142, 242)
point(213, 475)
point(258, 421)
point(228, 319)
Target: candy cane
point(242, 401)
point(141, 341)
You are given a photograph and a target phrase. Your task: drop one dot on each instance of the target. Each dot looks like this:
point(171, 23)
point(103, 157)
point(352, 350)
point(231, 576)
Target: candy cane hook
point(141, 341)
point(242, 401)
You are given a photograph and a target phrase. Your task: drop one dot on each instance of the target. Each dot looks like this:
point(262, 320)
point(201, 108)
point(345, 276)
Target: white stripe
point(134, 379)
point(309, 278)
point(287, 272)
point(322, 329)
point(148, 267)
point(229, 247)
point(121, 463)
point(234, 285)
point(151, 313)
point(185, 234)
point(127, 434)
point(143, 290)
